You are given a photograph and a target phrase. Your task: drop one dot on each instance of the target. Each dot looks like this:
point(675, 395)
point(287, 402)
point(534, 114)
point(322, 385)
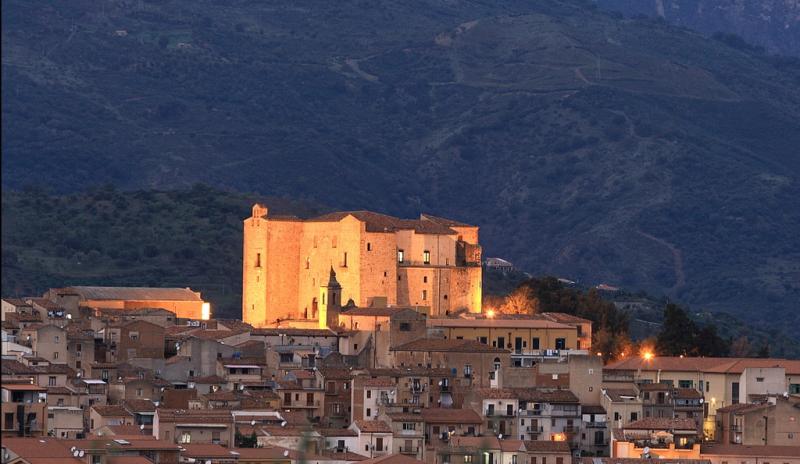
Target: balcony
point(595, 425)
point(530, 412)
point(413, 450)
point(559, 412)
point(570, 429)
point(534, 429)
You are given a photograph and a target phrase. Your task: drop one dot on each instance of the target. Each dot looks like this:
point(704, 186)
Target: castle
point(430, 263)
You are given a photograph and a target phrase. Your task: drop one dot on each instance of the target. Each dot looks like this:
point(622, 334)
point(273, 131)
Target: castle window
point(424, 295)
point(333, 242)
point(369, 246)
point(426, 257)
point(400, 256)
point(424, 279)
point(344, 259)
point(323, 298)
point(258, 259)
point(308, 263)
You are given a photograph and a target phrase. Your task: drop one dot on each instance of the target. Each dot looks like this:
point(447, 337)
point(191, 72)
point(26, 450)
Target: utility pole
point(766, 429)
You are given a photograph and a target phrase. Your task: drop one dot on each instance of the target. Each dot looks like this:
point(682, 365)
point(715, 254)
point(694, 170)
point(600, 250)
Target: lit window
point(400, 256)
point(186, 437)
point(426, 257)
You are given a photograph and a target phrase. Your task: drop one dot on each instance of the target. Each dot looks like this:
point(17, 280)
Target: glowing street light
point(490, 313)
point(648, 355)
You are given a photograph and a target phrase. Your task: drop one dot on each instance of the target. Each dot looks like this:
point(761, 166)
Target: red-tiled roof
point(392, 459)
point(376, 222)
point(449, 345)
point(373, 426)
point(205, 416)
point(692, 364)
point(112, 410)
point(661, 423)
point(451, 416)
point(762, 451)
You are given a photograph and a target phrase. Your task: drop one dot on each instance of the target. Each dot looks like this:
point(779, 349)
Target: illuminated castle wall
point(429, 262)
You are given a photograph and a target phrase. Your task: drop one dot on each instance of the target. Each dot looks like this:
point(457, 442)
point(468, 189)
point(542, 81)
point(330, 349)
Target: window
point(424, 279)
point(258, 259)
point(344, 259)
point(760, 379)
point(708, 386)
point(60, 402)
point(467, 371)
point(369, 246)
point(186, 437)
point(333, 242)
point(55, 355)
point(78, 347)
point(794, 388)
point(139, 392)
point(308, 263)
point(215, 437)
point(409, 426)
point(400, 256)
point(535, 343)
point(134, 336)
point(559, 460)
point(331, 387)
point(513, 459)
point(369, 393)
point(56, 339)
point(561, 343)
point(424, 295)
point(346, 385)
point(379, 444)
point(9, 421)
point(685, 383)
point(426, 257)
point(634, 416)
point(616, 416)
point(735, 392)
point(468, 459)
point(405, 327)
point(369, 412)
point(51, 381)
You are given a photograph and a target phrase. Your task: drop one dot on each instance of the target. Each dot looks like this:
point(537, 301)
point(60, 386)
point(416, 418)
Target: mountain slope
point(771, 24)
point(585, 145)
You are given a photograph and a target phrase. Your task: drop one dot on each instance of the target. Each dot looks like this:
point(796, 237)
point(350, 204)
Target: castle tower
point(330, 297)
point(254, 269)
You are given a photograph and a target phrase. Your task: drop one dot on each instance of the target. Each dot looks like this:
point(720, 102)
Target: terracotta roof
point(687, 393)
point(379, 382)
point(455, 346)
point(764, 451)
point(373, 426)
point(334, 373)
point(113, 410)
point(214, 334)
point(61, 391)
point(547, 446)
point(205, 416)
point(691, 364)
point(139, 405)
point(564, 318)
point(451, 416)
point(376, 222)
point(654, 387)
point(537, 395)
point(132, 293)
point(337, 432)
point(123, 430)
point(738, 407)
point(291, 332)
point(16, 301)
point(616, 394)
point(205, 450)
point(392, 459)
point(661, 423)
point(46, 447)
point(128, 460)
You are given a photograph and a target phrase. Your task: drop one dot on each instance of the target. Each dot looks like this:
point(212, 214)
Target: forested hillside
point(586, 145)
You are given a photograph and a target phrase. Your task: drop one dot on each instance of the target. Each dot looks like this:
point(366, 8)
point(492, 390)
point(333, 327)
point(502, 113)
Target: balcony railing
point(534, 429)
point(409, 450)
point(530, 412)
point(596, 425)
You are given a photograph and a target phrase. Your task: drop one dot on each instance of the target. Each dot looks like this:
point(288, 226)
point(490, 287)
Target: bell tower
point(330, 299)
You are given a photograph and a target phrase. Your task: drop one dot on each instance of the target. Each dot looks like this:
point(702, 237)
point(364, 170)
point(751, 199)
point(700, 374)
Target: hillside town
point(363, 339)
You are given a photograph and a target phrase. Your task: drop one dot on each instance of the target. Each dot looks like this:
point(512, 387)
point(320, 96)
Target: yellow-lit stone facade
point(431, 263)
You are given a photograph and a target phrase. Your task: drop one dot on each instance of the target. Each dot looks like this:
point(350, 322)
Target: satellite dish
point(283, 424)
point(69, 316)
point(253, 422)
point(646, 450)
point(285, 453)
point(75, 453)
point(72, 450)
point(81, 453)
point(500, 436)
point(141, 427)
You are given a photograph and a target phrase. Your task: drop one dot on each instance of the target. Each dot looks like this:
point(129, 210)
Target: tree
point(520, 301)
point(764, 351)
point(677, 335)
point(708, 343)
point(740, 347)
